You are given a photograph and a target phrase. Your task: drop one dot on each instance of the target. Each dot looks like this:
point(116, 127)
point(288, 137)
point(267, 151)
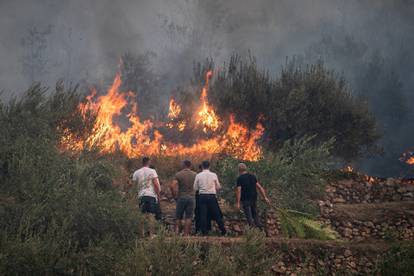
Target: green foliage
point(162, 255)
point(59, 214)
point(398, 261)
point(254, 248)
point(293, 176)
point(300, 101)
point(301, 225)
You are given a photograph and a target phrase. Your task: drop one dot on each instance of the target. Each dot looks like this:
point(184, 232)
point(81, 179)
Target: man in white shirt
point(148, 187)
point(207, 184)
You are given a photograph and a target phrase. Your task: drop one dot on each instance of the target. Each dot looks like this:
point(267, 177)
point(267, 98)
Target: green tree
point(301, 100)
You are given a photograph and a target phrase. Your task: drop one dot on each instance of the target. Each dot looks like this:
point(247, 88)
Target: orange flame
point(174, 112)
point(175, 109)
point(206, 115)
point(143, 138)
point(408, 158)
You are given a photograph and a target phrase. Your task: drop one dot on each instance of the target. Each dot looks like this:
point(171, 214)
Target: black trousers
point(208, 205)
point(197, 220)
point(250, 211)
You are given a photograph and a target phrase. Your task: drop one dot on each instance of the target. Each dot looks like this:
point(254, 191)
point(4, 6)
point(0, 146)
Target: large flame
point(144, 138)
point(206, 115)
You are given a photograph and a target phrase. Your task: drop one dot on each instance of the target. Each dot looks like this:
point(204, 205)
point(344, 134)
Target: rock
point(347, 253)
point(338, 200)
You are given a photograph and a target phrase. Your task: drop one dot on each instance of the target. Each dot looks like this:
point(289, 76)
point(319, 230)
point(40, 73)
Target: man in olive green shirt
point(183, 192)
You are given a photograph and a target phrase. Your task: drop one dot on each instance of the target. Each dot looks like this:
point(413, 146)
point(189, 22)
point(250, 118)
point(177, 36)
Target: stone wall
point(364, 208)
point(307, 257)
point(369, 190)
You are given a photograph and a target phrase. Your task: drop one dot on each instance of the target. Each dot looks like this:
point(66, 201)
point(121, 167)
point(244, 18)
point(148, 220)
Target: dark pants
point(209, 204)
point(197, 215)
point(149, 204)
point(250, 210)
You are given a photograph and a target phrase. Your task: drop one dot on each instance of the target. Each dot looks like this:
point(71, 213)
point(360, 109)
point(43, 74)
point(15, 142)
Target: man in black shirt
point(246, 193)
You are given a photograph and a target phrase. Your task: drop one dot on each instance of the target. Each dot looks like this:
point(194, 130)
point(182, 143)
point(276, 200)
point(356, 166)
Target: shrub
point(398, 261)
point(293, 176)
point(60, 214)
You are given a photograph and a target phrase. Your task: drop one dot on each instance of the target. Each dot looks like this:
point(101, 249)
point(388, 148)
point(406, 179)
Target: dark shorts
point(184, 208)
point(148, 204)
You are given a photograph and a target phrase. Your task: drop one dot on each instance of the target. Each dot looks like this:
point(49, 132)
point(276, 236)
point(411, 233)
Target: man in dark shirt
point(246, 193)
point(183, 192)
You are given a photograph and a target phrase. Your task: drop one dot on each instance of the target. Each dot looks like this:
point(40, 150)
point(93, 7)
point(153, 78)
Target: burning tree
point(147, 137)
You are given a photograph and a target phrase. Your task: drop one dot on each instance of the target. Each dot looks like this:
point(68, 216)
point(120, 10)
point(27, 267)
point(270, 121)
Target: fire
point(138, 137)
point(240, 144)
point(173, 114)
point(108, 136)
point(206, 115)
point(408, 158)
point(175, 109)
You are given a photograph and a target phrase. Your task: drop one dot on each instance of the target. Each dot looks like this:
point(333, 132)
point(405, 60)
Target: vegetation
point(61, 215)
point(58, 214)
point(398, 261)
point(300, 101)
point(293, 176)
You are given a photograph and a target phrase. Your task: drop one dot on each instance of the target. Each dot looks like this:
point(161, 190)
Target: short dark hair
point(205, 164)
point(145, 161)
point(187, 163)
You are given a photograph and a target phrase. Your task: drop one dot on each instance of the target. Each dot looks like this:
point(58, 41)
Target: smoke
point(360, 39)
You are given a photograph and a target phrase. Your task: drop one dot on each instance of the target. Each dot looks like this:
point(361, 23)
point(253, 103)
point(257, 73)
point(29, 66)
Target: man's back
point(185, 179)
point(144, 177)
point(247, 182)
point(206, 182)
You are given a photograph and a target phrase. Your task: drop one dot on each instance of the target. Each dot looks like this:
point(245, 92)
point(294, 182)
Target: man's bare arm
point(174, 188)
point(262, 192)
point(238, 196)
point(157, 186)
point(217, 184)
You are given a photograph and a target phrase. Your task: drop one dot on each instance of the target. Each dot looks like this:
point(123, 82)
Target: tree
point(138, 78)
point(301, 100)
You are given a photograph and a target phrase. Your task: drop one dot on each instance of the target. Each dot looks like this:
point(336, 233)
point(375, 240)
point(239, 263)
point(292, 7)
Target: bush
point(60, 214)
point(293, 176)
point(398, 261)
point(301, 100)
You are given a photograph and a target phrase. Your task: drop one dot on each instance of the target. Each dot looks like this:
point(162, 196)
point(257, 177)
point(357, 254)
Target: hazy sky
point(88, 37)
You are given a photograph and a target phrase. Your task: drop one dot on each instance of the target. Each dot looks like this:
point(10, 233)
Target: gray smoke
point(82, 41)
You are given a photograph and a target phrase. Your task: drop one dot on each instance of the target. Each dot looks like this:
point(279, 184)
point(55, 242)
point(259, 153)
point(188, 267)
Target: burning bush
point(214, 134)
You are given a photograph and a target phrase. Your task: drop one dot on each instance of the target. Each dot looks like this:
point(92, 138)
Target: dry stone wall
point(365, 208)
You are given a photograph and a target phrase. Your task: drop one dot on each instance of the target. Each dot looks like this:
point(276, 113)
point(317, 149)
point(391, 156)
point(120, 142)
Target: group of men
point(195, 194)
